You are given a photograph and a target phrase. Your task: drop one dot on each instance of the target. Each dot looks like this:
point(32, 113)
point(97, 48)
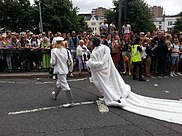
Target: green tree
point(60, 15)
point(15, 15)
point(136, 12)
point(111, 16)
point(57, 15)
point(180, 14)
point(178, 25)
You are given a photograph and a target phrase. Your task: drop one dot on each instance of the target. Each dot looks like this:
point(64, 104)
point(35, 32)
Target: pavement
point(28, 110)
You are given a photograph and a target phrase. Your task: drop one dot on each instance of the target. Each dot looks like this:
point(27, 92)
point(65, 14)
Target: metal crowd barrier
point(24, 59)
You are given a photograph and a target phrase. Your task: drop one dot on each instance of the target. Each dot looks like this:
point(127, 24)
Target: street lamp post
point(119, 18)
point(125, 9)
point(40, 13)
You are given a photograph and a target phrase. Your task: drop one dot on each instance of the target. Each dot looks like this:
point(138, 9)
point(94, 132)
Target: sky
point(171, 7)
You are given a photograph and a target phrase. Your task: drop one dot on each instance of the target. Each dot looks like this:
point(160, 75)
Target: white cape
point(117, 93)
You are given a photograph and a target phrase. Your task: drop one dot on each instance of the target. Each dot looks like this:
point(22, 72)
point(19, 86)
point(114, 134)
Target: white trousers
point(62, 82)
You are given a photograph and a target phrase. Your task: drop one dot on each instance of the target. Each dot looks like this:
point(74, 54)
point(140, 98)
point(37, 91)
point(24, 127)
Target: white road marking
point(156, 85)
point(11, 82)
point(102, 107)
point(47, 108)
point(80, 79)
point(71, 80)
point(167, 92)
point(39, 82)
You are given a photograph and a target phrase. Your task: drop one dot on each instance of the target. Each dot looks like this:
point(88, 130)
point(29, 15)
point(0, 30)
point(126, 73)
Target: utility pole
point(40, 13)
point(125, 9)
point(119, 17)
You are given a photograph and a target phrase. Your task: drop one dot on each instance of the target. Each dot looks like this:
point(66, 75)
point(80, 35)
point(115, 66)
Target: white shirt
point(143, 53)
point(104, 26)
point(34, 43)
point(59, 58)
point(126, 29)
point(112, 27)
point(175, 48)
point(54, 41)
point(81, 50)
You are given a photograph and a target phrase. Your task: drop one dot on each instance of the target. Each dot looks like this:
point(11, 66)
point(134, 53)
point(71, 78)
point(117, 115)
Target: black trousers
point(161, 66)
point(139, 65)
point(2, 64)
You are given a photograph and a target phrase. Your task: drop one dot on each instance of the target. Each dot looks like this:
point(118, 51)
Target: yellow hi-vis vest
point(136, 55)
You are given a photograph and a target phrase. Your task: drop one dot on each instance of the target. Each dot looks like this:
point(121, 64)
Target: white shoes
point(54, 96)
point(68, 105)
point(171, 74)
point(174, 74)
point(101, 99)
point(71, 75)
point(178, 73)
point(54, 77)
point(120, 103)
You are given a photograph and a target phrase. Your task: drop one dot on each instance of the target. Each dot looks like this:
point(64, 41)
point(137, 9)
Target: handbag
point(69, 62)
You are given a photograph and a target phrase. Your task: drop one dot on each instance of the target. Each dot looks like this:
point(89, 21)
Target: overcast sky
point(171, 7)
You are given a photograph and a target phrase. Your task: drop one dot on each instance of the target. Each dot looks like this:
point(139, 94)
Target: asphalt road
point(41, 116)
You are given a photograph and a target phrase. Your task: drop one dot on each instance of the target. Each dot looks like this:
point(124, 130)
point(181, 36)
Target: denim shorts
point(174, 60)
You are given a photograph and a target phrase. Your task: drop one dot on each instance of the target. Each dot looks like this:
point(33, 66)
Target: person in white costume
point(117, 93)
point(103, 70)
point(59, 60)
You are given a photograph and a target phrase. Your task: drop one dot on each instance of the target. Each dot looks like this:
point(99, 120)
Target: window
point(170, 23)
point(93, 23)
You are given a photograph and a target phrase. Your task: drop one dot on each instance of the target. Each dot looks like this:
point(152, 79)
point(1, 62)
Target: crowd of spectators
point(161, 51)
point(24, 51)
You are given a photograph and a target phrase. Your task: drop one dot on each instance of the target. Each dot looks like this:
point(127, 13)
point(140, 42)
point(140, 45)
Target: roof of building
point(89, 16)
point(86, 16)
